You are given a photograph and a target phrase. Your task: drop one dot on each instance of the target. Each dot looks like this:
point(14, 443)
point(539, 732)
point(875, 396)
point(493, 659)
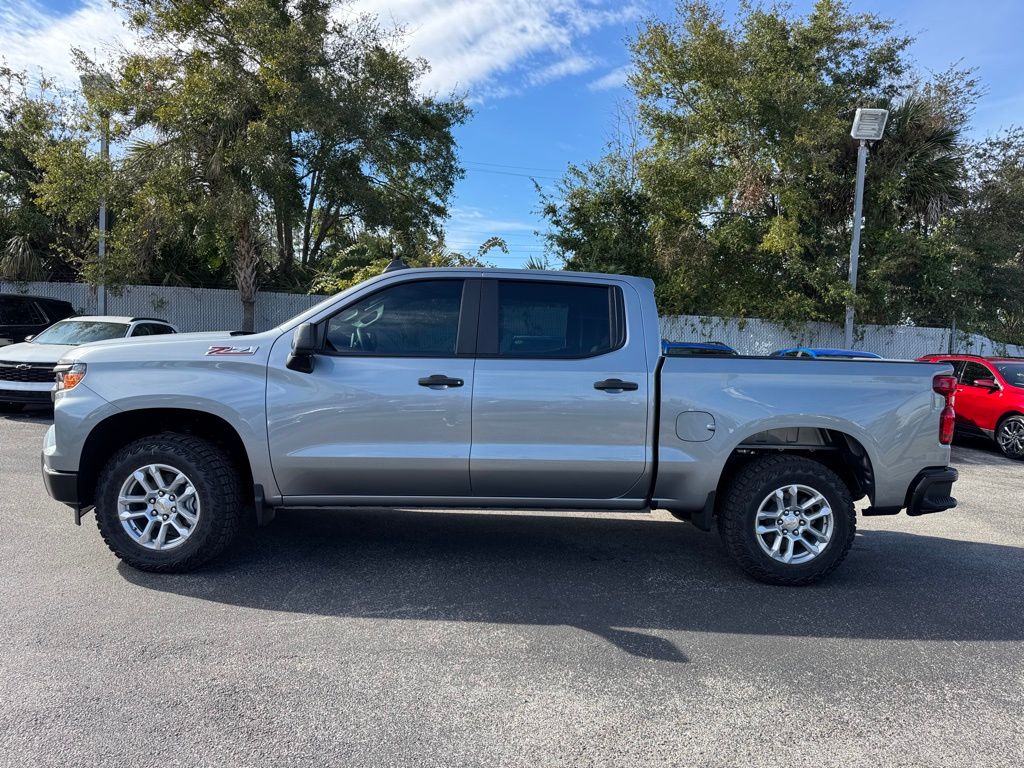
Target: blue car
point(693, 348)
point(826, 354)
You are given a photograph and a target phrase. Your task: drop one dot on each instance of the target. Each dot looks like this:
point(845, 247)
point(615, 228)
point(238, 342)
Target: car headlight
point(69, 375)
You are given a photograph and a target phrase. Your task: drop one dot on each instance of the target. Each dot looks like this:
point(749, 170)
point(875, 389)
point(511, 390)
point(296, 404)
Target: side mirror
point(29, 338)
point(304, 347)
point(986, 383)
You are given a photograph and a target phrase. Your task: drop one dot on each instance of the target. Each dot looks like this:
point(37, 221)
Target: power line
point(512, 167)
point(511, 173)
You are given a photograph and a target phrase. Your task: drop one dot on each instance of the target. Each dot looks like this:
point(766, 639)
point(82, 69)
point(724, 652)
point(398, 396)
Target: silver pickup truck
point(491, 389)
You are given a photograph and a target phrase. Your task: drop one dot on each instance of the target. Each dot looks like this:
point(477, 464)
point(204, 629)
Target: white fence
point(190, 309)
point(761, 337)
point(211, 309)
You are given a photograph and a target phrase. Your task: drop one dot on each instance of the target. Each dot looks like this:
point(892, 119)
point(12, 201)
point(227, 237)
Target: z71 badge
point(217, 350)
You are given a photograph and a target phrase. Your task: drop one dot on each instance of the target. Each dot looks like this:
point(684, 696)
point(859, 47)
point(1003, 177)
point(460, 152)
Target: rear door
point(385, 412)
point(560, 400)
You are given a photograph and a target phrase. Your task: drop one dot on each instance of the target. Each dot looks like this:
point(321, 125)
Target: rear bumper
point(932, 491)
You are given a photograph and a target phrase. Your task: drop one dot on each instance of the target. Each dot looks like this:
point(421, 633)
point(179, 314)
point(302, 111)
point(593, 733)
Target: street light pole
point(868, 125)
point(858, 223)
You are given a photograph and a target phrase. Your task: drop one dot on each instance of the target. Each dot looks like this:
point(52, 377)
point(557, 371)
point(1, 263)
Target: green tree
point(599, 214)
point(278, 130)
point(34, 120)
point(739, 201)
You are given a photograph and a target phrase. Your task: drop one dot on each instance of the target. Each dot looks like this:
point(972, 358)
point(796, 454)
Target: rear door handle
point(616, 385)
point(440, 381)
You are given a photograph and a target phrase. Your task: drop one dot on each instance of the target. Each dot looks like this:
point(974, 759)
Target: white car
point(26, 369)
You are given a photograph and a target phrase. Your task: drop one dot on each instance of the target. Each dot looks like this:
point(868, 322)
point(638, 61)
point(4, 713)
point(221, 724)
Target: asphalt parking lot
point(459, 639)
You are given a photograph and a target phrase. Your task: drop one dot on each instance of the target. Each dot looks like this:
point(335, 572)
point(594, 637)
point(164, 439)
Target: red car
point(989, 398)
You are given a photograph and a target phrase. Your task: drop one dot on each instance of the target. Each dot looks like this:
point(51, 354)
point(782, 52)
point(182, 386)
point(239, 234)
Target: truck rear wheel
point(168, 503)
point(787, 520)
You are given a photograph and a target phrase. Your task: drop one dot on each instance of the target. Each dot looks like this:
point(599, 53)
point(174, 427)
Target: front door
point(549, 421)
point(977, 407)
point(386, 409)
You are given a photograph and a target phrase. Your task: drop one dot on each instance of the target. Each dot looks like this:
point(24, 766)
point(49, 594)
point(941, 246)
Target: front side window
point(76, 332)
point(557, 320)
point(414, 319)
point(974, 371)
point(1013, 373)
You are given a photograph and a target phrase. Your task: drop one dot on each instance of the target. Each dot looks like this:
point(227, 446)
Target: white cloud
point(614, 79)
point(36, 40)
point(485, 48)
point(574, 64)
point(472, 43)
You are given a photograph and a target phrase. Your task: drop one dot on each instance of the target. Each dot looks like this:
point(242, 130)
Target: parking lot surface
point(392, 638)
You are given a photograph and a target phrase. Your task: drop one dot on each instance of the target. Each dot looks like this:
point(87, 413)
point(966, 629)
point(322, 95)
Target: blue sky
point(545, 78)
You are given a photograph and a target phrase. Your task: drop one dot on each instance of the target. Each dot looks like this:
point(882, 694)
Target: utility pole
point(93, 85)
point(101, 289)
point(868, 125)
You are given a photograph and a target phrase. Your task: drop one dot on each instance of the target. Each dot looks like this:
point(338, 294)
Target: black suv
point(22, 316)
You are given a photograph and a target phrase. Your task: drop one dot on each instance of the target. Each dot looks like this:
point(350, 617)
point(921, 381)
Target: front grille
point(26, 372)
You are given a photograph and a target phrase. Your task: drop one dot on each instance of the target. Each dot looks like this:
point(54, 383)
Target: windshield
point(75, 332)
point(1013, 373)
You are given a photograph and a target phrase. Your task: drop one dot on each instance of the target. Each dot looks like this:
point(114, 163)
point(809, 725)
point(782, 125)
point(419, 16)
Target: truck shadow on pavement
point(626, 580)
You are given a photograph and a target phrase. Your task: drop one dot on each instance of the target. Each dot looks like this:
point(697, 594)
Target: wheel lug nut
point(171, 497)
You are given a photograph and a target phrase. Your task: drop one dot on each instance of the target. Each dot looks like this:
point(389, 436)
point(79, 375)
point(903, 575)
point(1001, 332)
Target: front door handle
point(616, 385)
point(440, 381)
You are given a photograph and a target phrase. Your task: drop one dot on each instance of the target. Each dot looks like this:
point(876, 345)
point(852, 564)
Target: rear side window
point(15, 311)
point(558, 320)
point(414, 319)
point(151, 329)
point(958, 366)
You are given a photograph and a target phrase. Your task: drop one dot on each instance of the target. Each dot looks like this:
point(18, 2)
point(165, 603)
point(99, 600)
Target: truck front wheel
point(168, 503)
point(787, 520)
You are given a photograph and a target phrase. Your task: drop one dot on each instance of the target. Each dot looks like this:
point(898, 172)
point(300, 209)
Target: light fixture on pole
point(868, 125)
point(93, 85)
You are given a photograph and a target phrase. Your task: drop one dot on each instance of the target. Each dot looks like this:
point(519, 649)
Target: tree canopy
point(737, 198)
point(258, 141)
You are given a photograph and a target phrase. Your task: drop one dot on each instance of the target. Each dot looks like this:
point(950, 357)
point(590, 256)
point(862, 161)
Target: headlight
point(69, 375)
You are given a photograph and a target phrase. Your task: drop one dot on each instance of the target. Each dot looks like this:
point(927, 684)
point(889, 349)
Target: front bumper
point(29, 396)
point(932, 491)
point(62, 486)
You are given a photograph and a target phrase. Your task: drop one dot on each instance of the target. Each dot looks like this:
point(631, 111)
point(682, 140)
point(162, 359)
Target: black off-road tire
point(216, 481)
point(746, 491)
point(1004, 423)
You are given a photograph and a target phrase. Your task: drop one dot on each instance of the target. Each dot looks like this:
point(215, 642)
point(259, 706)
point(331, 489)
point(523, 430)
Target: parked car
point(24, 316)
point(490, 388)
point(989, 398)
point(692, 348)
point(816, 353)
point(27, 369)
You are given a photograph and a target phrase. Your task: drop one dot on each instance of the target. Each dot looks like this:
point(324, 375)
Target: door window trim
point(488, 330)
point(466, 335)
